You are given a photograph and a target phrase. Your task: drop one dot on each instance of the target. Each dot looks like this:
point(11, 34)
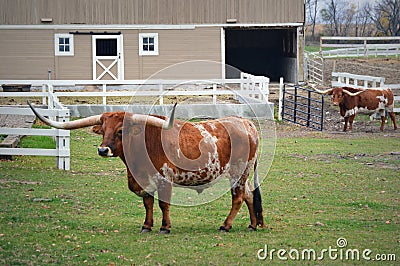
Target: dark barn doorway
point(267, 52)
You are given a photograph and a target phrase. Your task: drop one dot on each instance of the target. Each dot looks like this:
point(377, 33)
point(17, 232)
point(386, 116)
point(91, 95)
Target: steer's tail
point(257, 202)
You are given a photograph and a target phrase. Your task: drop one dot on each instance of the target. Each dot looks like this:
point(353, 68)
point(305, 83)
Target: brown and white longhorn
point(160, 152)
point(354, 100)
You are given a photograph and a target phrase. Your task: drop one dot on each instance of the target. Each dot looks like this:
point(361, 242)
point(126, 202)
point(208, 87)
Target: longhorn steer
point(352, 100)
point(161, 152)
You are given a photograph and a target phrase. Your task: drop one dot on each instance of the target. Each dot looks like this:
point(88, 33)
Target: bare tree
point(347, 21)
point(333, 15)
point(312, 14)
point(386, 17)
point(363, 21)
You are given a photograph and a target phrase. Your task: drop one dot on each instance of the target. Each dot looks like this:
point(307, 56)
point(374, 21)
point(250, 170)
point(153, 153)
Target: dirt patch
point(4, 181)
point(377, 67)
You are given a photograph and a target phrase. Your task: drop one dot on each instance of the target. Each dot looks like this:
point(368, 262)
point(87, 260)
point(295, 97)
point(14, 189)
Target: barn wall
point(176, 46)
point(26, 54)
point(150, 11)
point(29, 54)
point(78, 66)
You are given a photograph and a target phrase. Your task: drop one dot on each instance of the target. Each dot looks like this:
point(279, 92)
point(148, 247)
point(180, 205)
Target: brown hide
point(351, 100)
point(367, 99)
point(184, 150)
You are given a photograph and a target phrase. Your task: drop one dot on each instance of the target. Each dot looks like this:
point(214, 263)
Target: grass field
point(320, 188)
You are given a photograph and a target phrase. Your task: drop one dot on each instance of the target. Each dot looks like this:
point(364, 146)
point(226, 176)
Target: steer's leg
point(250, 205)
point(393, 117)
point(383, 121)
point(346, 121)
point(148, 201)
point(164, 199)
point(351, 119)
point(237, 200)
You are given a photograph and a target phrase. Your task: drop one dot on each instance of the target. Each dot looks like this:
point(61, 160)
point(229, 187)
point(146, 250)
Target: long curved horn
point(84, 122)
point(155, 121)
point(352, 93)
point(323, 92)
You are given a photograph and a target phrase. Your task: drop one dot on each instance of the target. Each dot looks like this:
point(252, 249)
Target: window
point(106, 47)
point(148, 44)
point(64, 44)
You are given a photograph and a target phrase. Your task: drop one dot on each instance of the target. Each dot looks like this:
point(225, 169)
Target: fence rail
point(256, 87)
point(359, 46)
point(356, 81)
point(62, 137)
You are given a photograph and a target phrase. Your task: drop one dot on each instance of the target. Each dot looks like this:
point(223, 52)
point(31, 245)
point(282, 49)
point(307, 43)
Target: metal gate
point(303, 106)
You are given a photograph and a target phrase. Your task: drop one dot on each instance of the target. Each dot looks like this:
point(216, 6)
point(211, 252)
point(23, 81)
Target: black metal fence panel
point(303, 106)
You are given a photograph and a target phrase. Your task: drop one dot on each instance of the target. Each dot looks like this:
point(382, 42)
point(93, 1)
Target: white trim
point(143, 52)
point(121, 65)
point(118, 59)
point(57, 51)
point(142, 26)
point(223, 67)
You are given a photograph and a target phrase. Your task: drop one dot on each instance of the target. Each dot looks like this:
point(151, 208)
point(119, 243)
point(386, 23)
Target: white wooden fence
point(259, 85)
point(359, 46)
point(252, 86)
point(314, 67)
point(256, 87)
point(62, 137)
point(356, 81)
point(340, 79)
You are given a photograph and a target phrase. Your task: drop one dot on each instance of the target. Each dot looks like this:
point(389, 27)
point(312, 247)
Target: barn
point(133, 39)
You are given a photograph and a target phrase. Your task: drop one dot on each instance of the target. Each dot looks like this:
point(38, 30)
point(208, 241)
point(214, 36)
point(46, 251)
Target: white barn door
point(108, 63)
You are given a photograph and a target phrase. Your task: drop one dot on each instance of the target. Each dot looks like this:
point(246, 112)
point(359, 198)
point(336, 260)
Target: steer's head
point(111, 125)
point(339, 93)
point(111, 129)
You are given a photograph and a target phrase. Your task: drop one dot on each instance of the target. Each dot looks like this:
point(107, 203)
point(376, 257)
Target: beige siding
point(178, 46)
point(151, 11)
point(78, 66)
point(26, 54)
point(131, 54)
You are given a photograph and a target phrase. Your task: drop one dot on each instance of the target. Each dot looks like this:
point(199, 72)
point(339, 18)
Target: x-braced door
point(107, 57)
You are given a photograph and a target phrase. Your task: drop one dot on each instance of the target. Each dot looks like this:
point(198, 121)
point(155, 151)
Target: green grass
point(315, 48)
point(318, 189)
point(43, 142)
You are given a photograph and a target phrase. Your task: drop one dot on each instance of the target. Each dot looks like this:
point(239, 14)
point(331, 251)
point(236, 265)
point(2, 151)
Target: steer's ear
point(98, 129)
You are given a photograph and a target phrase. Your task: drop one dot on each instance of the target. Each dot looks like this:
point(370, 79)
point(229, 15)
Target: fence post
point(280, 107)
point(160, 88)
point(44, 102)
point(63, 142)
point(265, 89)
point(50, 96)
point(365, 48)
point(104, 94)
point(241, 81)
point(214, 97)
point(308, 108)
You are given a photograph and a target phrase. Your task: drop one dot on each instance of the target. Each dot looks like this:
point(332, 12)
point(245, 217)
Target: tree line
point(344, 18)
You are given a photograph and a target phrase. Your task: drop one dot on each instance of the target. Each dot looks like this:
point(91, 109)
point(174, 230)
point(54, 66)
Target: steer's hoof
point(223, 229)
point(164, 231)
point(145, 230)
point(251, 228)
